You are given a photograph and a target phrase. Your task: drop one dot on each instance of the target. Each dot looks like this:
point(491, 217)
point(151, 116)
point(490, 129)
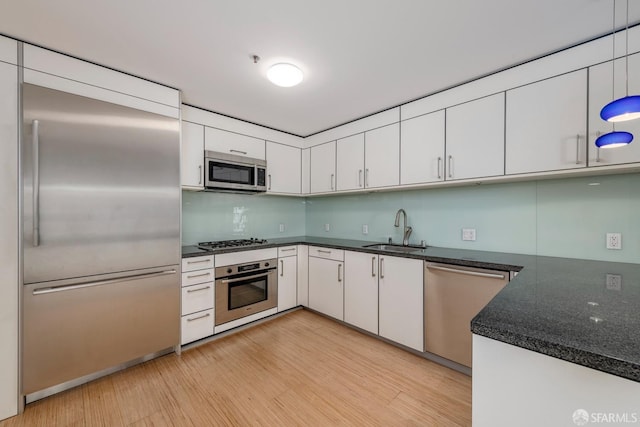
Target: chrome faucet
point(407, 230)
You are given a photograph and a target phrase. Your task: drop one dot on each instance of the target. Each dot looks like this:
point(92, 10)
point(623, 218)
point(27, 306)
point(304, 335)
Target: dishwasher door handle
point(467, 272)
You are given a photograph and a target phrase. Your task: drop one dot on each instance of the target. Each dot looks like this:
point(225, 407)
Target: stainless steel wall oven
point(245, 289)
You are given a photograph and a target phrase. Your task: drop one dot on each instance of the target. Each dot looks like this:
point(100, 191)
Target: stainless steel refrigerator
point(101, 215)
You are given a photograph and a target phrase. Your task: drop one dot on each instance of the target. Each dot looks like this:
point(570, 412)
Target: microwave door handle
point(255, 276)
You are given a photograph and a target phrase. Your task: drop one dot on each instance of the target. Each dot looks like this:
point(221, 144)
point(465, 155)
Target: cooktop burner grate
point(231, 243)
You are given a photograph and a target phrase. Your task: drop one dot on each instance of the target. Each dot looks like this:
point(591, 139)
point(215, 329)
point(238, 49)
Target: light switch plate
point(281, 228)
point(469, 234)
point(327, 227)
point(365, 229)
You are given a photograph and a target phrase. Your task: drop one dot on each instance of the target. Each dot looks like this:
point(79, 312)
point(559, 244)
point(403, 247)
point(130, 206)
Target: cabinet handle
point(198, 262)
point(238, 151)
point(468, 273)
point(198, 275)
point(332, 176)
point(382, 268)
point(598, 148)
point(450, 167)
point(373, 266)
point(199, 174)
point(287, 250)
point(439, 167)
point(360, 178)
point(323, 251)
point(281, 268)
point(577, 149)
point(366, 177)
point(198, 290)
point(269, 181)
point(199, 317)
point(36, 183)
point(339, 272)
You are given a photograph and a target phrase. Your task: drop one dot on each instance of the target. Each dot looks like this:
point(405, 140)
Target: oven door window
point(233, 174)
point(247, 292)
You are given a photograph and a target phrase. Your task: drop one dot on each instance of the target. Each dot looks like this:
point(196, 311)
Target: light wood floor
point(299, 369)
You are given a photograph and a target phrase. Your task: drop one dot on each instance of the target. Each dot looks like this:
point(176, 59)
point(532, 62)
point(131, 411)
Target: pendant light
point(628, 107)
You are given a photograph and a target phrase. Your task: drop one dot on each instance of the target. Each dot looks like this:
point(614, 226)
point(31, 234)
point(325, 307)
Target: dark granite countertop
point(559, 307)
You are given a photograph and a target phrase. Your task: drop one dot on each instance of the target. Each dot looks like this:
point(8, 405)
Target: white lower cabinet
point(198, 295)
point(361, 290)
point(287, 278)
point(303, 275)
point(326, 286)
point(401, 301)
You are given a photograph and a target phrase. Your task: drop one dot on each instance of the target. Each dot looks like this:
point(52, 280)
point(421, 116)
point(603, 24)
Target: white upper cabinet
point(475, 138)
point(323, 168)
point(546, 125)
point(382, 156)
point(350, 163)
point(192, 167)
point(600, 94)
point(233, 143)
point(422, 149)
point(284, 169)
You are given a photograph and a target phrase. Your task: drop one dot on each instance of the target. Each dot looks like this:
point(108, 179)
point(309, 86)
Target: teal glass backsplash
point(222, 216)
point(561, 217)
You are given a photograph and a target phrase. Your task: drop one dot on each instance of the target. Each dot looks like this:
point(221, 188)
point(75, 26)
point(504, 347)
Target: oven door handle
point(255, 276)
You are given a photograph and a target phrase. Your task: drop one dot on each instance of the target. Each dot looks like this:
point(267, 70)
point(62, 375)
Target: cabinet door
point(283, 168)
point(422, 149)
point(401, 301)
point(233, 143)
point(287, 282)
point(325, 286)
point(323, 168)
point(382, 156)
point(475, 138)
point(546, 125)
point(361, 290)
point(600, 94)
point(192, 167)
point(350, 162)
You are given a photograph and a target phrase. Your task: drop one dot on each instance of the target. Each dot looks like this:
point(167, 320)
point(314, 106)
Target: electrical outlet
point(365, 229)
point(614, 282)
point(327, 227)
point(282, 228)
point(614, 241)
point(469, 234)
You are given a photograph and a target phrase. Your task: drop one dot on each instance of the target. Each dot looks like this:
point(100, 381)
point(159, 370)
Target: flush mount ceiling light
point(284, 74)
point(628, 107)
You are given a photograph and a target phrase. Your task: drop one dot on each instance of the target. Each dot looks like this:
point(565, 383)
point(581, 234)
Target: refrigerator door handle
point(36, 183)
point(54, 289)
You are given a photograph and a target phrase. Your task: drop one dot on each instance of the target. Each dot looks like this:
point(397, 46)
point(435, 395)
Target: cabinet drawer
point(199, 276)
point(197, 263)
point(287, 251)
point(334, 254)
point(197, 298)
point(197, 326)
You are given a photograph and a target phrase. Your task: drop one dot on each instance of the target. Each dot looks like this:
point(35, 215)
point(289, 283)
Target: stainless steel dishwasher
point(453, 295)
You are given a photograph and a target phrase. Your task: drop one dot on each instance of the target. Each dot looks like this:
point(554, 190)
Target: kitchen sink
point(394, 248)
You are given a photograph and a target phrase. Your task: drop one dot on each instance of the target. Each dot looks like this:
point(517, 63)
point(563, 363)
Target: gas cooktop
point(220, 244)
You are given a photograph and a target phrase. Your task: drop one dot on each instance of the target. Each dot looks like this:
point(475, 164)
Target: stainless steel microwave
point(234, 173)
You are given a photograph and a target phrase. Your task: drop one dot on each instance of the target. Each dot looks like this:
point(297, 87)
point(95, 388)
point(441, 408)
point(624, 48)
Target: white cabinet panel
point(287, 282)
point(326, 293)
point(361, 290)
point(9, 242)
point(197, 326)
point(334, 254)
point(382, 156)
point(600, 94)
point(233, 143)
point(197, 263)
point(303, 275)
point(350, 162)
point(401, 301)
point(422, 149)
point(192, 166)
point(306, 170)
point(8, 50)
point(546, 125)
point(323, 168)
point(475, 138)
point(283, 169)
point(198, 276)
point(197, 298)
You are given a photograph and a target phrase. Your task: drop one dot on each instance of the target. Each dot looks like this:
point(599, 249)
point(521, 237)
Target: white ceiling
point(359, 56)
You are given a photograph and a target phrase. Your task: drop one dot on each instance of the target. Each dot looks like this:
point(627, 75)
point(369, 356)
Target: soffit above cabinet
point(358, 57)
